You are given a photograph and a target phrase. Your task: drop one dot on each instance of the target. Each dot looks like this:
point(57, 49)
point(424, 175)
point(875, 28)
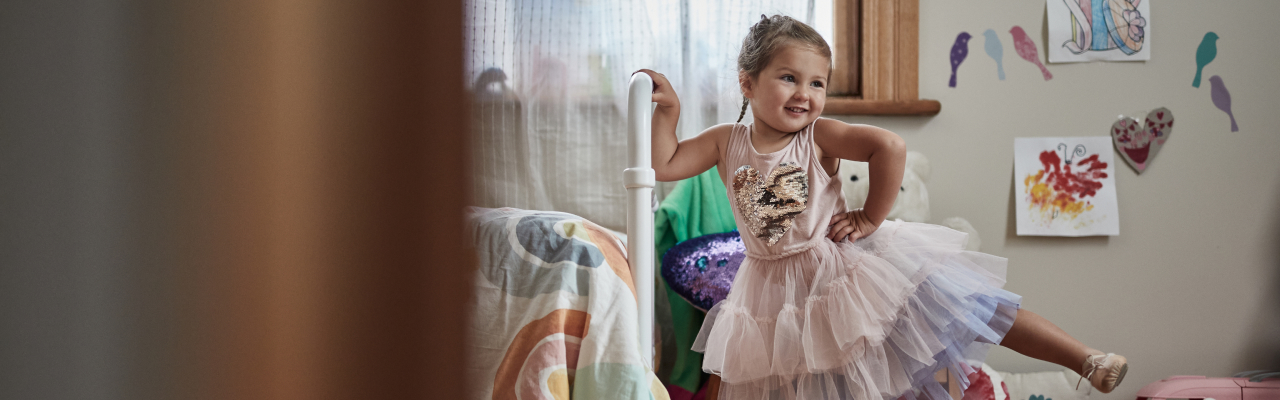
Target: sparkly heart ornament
point(770, 204)
point(1139, 143)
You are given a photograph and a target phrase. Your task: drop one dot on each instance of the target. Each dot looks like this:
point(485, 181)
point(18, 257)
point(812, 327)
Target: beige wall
point(1184, 288)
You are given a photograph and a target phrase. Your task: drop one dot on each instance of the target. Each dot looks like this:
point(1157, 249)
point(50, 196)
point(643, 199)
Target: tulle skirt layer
point(876, 319)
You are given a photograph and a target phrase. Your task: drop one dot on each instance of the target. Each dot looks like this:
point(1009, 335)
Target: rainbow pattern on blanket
point(555, 311)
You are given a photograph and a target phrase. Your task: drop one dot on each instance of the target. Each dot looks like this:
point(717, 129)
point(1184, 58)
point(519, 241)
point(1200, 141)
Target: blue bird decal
point(995, 49)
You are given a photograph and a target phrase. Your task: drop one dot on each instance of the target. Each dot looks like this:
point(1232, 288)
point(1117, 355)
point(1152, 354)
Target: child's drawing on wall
point(1099, 30)
point(1065, 186)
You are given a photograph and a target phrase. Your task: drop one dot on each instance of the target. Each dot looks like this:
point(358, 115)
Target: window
point(876, 70)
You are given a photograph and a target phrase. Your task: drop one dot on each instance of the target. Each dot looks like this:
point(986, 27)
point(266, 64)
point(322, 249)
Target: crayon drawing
point(1099, 30)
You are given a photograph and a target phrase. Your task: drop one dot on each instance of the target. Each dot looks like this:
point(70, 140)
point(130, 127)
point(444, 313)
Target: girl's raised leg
point(1037, 337)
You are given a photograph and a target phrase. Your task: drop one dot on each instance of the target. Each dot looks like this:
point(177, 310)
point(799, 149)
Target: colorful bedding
point(554, 311)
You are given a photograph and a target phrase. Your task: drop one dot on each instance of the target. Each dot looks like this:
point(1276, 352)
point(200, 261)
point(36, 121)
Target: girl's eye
point(788, 78)
point(817, 84)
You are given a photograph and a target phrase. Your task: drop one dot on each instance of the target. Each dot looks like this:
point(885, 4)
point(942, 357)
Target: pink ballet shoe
point(1104, 371)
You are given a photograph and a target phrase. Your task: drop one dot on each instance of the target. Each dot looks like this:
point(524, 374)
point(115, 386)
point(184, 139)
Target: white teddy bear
point(912, 204)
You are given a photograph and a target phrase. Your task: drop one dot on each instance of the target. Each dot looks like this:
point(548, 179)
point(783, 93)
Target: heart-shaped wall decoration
point(1139, 143)
point(769, 204)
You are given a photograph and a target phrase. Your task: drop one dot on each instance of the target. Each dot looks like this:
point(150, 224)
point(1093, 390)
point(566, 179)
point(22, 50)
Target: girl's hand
point(853, 225)
point(663, 94)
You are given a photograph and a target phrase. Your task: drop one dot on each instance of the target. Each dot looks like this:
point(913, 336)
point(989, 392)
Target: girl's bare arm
point(887, 155)
point(674, 160)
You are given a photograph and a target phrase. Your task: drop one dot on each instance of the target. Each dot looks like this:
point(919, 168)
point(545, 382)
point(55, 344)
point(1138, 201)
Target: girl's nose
point(801, 95)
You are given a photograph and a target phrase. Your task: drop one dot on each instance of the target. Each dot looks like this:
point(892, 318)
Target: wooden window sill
point(875, 70)
point(845, 105)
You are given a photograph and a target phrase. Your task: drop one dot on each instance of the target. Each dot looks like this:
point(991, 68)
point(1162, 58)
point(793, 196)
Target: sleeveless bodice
point(782, 201)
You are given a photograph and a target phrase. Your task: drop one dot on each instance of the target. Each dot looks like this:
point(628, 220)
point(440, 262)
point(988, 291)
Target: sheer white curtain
point(549, 81)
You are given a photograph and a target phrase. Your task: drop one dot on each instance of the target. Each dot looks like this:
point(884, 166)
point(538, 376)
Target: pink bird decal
point(1027, 49)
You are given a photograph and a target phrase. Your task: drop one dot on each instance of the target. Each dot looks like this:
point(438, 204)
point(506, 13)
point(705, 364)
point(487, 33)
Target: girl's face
point(790, 92)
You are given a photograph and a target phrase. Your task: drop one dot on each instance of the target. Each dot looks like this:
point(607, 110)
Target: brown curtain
point(302, 167)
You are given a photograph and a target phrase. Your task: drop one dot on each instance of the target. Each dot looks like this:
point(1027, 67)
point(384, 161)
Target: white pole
point(639, 180)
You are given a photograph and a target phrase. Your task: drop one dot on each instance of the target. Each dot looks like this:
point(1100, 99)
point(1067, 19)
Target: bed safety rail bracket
point(638, 178)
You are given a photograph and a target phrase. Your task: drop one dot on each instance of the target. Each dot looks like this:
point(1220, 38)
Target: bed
point(563, 307)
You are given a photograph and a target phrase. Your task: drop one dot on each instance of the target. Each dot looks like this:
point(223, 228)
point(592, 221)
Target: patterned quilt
point(554, 312)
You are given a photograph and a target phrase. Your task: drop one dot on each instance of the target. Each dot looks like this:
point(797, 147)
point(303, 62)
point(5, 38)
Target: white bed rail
point(639, 180)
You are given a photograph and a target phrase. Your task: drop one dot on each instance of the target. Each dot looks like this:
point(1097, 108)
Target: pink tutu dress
point(808, 318)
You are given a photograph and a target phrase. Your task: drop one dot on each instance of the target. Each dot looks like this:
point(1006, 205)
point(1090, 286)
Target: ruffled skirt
point(875, 319)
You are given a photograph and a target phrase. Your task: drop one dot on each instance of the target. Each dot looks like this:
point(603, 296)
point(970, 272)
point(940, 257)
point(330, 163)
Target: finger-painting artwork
point(1099, 30)
point(1065, 186)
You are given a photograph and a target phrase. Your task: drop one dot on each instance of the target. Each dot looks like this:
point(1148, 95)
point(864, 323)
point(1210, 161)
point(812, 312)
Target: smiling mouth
point(797, 110)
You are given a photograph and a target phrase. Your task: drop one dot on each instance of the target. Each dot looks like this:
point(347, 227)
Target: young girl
point(829, 303)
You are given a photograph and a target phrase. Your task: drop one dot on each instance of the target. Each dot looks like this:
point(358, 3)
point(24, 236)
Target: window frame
point(877, 72)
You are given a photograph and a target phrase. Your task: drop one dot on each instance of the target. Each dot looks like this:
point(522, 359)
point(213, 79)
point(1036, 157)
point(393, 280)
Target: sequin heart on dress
point(1139, 143)
point(770, 204)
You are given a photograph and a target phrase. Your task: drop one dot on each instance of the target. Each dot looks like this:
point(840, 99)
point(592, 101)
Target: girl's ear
point(744, 81)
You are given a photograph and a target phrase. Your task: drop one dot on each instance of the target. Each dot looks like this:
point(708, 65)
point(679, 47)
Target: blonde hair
point(766, 37)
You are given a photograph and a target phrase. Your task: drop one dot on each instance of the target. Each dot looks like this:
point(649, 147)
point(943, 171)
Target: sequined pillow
point(701, 269)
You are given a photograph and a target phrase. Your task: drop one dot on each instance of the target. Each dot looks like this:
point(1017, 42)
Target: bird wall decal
point(995, 49)
point(1205, 54)
point(1222, 99)
point(959, 51)
point(1026, 49)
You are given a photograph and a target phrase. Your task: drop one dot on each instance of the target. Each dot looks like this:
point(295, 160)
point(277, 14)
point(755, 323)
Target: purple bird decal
point(1027, 49)
point(1222, 99)
point(959, 51)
